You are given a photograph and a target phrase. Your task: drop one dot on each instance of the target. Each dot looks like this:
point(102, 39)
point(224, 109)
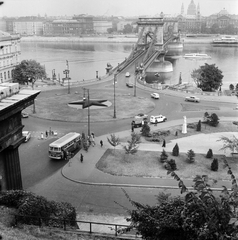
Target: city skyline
point(126, 8)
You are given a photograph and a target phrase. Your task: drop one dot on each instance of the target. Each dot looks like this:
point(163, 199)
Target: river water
point(85, 59)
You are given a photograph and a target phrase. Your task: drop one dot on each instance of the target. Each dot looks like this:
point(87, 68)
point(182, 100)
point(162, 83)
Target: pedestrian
point(46, 133)
point(164, 143)
point(156, 122)
point(50, 131)
point(101, 143)
point(81, 158)
point(132, 126)
point(176, 133)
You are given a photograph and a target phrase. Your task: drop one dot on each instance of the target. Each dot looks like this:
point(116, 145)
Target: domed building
point(192, 9)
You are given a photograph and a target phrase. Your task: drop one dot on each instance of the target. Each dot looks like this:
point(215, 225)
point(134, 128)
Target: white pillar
point(184, 128)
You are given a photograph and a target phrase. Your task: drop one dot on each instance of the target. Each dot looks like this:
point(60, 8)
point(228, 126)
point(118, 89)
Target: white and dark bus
point(68, 143)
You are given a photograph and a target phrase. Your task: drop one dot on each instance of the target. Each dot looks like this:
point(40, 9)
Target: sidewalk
point(87, 173)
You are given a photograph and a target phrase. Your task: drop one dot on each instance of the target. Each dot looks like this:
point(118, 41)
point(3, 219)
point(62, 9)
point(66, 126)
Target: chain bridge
point(154, 37)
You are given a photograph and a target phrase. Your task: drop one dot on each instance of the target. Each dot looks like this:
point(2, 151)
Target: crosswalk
point(42, 135)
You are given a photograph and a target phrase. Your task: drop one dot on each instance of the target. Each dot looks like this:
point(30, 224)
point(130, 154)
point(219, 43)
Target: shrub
point(209, 153)
point(170, 165)
point(231, 87)
point(163, 156)
point(190, 156)
point(34, 207)
point(145, 131)
point(13, 198)
point(199, 126)
point(214, 165)
point(175, 151)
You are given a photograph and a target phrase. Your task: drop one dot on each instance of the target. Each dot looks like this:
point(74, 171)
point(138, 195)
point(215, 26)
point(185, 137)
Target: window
point(8, 74)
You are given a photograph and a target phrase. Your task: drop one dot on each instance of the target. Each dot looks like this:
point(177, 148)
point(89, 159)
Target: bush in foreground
point(33, 207)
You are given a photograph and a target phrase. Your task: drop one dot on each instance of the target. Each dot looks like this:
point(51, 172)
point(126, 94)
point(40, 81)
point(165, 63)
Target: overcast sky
point(125, 8)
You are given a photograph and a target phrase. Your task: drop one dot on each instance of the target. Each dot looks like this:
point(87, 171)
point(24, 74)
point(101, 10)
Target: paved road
point(100, 199)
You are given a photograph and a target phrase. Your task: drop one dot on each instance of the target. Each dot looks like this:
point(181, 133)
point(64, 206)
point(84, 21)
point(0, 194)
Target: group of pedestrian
point(48, 133)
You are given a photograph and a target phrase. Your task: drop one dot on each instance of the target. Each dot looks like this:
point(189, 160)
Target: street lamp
point(114, 87)
point(66, 72)
point(85, 89)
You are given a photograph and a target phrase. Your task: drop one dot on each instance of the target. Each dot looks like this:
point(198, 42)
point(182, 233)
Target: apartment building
point(9, 55)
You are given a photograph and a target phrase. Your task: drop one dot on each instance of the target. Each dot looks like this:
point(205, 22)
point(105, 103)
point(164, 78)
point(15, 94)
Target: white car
point(154, 95)
point(24, 115)
point(158, 119)
point(128, 74)
point(27, 135)
point(192, 99)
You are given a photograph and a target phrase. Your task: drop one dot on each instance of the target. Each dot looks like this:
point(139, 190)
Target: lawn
point(147, 163)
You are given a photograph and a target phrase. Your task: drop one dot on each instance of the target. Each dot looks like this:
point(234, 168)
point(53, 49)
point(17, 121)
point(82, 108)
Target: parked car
point(154, 95)
point(24, 115)
point(192, 99)
point(139, 119)
point(142, 115)
point(27, 135)
point(128, 74)
point(158, 118)
point(130, 85)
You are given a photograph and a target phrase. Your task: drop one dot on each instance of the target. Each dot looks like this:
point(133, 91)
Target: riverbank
point(114, 39)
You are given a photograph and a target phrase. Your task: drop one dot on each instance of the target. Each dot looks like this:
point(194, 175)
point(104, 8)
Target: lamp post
point(66, 72)
point(85, 89)
point(136, 72)
point(114, 87)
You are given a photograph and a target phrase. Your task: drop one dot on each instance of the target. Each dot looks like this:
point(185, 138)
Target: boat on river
point(225, 40)
point(197, 56)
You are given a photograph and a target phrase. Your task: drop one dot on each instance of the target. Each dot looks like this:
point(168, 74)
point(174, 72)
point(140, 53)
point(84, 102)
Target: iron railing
point(69, 225)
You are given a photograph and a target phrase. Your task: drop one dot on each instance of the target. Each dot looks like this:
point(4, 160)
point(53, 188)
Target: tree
point(110, 30)
point(199, 125)
point(229, 143)
point(214, 165)
point(190, 156)
point(208, 77)
point(215, 28)
point(175, 151)
point(113, 140)
point(145, 131)
point(132, 146)
point(28, 71)
point(170, 165)
point(163, 156)
point(231, 87)
point(214, 120)
point(237, 87)
point(209, 154)
point(127, 29)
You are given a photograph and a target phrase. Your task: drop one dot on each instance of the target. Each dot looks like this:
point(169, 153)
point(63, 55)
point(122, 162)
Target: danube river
point(85, 59)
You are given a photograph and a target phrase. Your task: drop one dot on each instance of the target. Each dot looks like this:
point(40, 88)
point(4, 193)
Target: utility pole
point(114, 87)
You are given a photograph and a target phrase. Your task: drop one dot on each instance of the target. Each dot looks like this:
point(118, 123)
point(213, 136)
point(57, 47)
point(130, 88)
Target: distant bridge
point(154, 36)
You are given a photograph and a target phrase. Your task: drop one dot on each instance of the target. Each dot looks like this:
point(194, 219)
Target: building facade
point(101, 25)
point(9, 55)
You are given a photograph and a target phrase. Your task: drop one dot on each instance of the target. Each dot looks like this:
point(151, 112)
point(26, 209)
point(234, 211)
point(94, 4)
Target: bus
point(68, 143)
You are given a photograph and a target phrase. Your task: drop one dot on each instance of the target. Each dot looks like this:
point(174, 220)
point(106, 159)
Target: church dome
point(223, 12)
point(192, 10)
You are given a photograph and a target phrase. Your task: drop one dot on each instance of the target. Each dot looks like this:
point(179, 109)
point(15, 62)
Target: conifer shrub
point(209, 154)
point(214, 165)
point(175, 151)
point(170, 165)
point(190, 156)
point(199, 126)
point(163, 156)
